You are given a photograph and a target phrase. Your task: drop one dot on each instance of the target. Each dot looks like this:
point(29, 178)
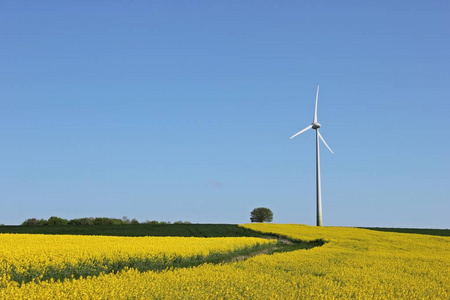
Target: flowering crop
point(26, 257)
point(353, 263)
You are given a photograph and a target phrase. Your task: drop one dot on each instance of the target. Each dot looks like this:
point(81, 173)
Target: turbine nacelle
point(315, 125)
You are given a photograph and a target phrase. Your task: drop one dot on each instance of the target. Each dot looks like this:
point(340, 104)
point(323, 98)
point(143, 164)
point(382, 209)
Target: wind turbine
point(316, 125)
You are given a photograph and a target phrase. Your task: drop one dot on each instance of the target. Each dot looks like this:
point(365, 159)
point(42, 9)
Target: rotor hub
point(315, 125)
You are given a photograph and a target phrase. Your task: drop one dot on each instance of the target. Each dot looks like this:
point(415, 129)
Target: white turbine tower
point(316, 125)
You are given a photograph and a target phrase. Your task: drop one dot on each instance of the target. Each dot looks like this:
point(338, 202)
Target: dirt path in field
point(284, 241)
point(280, 242)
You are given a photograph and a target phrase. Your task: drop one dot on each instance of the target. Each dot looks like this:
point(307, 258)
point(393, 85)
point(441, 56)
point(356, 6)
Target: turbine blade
point(301, 131)
point(325, 142)
point(315, 109)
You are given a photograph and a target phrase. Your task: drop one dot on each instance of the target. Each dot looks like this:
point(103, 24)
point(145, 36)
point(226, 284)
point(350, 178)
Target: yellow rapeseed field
point(353, 264)
point(25, 257)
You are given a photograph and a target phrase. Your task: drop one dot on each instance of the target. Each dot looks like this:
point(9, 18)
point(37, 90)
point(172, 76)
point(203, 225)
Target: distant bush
point(107, 221)
point(42, 222)
point(151, 222)
point(116, 221)
point(165, 222)
point(57, 221)
point(30, 222)
point(34, 222)
point(82, 221)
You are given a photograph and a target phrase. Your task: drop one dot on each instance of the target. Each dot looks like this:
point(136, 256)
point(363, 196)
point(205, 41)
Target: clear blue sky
point(182, 110)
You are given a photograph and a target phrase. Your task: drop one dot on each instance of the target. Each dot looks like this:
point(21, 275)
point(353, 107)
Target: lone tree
point(261, 214)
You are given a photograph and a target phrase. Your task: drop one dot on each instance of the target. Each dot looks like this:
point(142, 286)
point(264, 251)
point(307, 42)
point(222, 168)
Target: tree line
point(91, 221)
point(259, 214)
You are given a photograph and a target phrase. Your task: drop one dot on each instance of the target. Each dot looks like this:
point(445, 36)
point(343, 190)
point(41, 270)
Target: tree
point(82, 221)
point(57, 221)
point(30, 222)
point(261, 214)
